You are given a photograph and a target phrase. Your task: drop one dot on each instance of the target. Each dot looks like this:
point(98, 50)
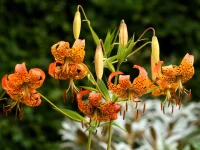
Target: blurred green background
point(28, 28)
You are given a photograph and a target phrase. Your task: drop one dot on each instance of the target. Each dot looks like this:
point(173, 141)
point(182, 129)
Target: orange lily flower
point(21, 85)
point(126, 89)
point(170, 78)
point(95, 109)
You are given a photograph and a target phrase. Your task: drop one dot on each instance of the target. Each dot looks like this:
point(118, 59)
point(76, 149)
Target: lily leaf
point(72, 115)
point(108, 42)
point(103, 89)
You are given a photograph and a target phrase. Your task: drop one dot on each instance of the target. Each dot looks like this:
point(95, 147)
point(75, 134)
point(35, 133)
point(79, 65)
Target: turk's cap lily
point(125, 89)
point(96, 109)
point(33, 79)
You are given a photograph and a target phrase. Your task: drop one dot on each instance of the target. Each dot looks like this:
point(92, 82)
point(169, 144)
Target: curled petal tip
point(114, 74)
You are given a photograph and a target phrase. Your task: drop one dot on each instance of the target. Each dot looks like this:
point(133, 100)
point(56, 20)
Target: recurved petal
point(124, 81)
point(60, 50)
point(21, 72)
point(36, 78)
point(77, 71)
point(186, 69)
point(115, 88)
point(32, 100)
point(77, 51)
point(11, 83)
point(141, 83)
point(85, 108)
point(57, 72)
point(95, 99)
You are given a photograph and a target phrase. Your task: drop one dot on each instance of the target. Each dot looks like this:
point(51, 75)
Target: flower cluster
point(102, 106)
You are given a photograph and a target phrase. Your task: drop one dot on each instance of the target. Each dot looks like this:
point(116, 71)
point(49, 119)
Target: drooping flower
point(68, 61)
point(95, 109)
point(170, 79)
point(21, 86)
point(127, 90)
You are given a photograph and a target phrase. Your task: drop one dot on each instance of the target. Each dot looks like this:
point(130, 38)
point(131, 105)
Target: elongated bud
point(77, 24)
point(155, 50)
point(123, 33)
point(99, 61)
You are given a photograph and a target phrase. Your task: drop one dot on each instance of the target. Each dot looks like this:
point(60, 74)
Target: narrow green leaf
point(108, 42)
point(103, 89)
point(121, 53)
point(115, 124)
point(94, 35)
point(72, 115)
point(110, 66)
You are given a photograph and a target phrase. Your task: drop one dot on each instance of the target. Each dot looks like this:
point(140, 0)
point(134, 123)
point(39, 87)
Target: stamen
point(172, 109)
point(124, 114)
point(161, 106)
point(189, 95)
point(144, 107)
point(137, 113)
point(126, 106)
point(136, 105)
point(82, 124)
point(163, 110)
point(102, 130)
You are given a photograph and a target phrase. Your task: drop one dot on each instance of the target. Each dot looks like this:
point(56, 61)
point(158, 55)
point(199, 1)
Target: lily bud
point(123, 34)
point(155, 50)
point(99, 61)
point(77, 24)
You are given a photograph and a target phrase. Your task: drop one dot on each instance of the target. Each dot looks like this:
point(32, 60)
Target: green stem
point(109, 136)
point(150, 28)
point(1, 98)
point(138, 49)
point(89, 140)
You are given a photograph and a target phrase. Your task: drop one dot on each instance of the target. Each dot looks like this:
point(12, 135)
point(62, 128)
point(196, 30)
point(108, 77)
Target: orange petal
point(141, 83)
point(61, 50)
point(57, 72)
point(21, 72)
point(37, 77)
point(77, 71)
point(108, 111)
point(186, 69)
point(12, 84)
point(95, 99)
point(33, 99)
point(77, 51)
point(115, 88)
point(124, 81)
point(87, 109)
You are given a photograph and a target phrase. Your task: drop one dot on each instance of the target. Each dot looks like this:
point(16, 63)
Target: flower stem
point(1, 97)
point(109, 136)
point(138, 49)
point(89, 140)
